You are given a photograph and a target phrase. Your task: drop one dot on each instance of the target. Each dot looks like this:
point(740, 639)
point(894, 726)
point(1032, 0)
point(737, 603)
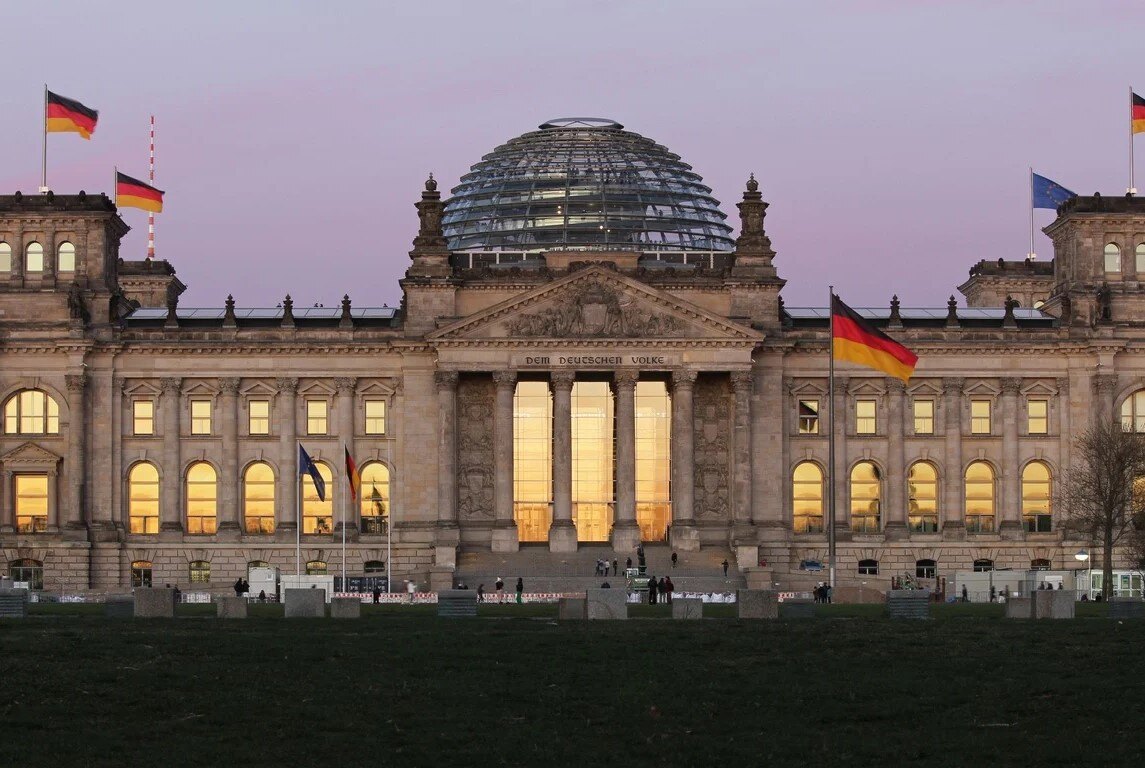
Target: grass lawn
point(401, 687)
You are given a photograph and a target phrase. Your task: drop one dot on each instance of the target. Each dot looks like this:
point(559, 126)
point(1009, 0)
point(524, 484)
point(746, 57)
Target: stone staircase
point(544, 571)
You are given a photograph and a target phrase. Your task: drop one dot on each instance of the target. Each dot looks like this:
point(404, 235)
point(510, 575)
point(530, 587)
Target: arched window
point(374, 566)
point(1036, 515)
point(1039, 564)
point(1139, 260)
point(868, 567)
point(318, 515)
point(30, 571)
point(979, 484)
point(200, 572)
point(140, 573)
point(983, 565)
point(375, 497)
point(807, 498)
point(31, 412)
point(258, 498)
point(34, 258)
point(925, 569)
point(66, 258)
point(1133, 412)
point(865, 498)
point(1112, 258)
point(922, 487)
point(143, 498)
point(256, 564)
point(5, 257)
point(202, 498)
point(315, 567)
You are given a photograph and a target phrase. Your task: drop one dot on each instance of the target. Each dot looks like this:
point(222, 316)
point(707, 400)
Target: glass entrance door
point(592, 460)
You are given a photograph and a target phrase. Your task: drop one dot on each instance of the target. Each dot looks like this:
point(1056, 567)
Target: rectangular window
point(979, 417)
point(808, 417)
point(31, 503)
point(375, 417)
point(924, 417)
point(865, 417)
point(143, 417)
point(200, 417)
point(1038, 417)
point(258, 417)
point(316, 411)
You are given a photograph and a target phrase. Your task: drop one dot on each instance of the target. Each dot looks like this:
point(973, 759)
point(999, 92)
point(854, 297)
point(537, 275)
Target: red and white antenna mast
point(151, 181)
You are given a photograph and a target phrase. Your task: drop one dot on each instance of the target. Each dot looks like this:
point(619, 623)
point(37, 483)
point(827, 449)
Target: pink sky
point(891, 139)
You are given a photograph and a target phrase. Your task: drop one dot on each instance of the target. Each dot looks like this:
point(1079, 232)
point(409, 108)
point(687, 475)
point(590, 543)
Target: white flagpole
point(1032, 254)
point(1132, 189)
point(389, 520)
point(44, 175)
point(349, 484)
point(298, 511)
point(831, 437)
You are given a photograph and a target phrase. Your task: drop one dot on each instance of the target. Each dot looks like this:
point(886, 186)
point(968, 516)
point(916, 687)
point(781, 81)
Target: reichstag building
point(586, 354)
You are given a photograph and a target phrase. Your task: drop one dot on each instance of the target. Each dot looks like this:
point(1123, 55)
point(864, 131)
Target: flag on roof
point(133, 193)
point(64, 115)
point(1048, 193)
point(857, 340)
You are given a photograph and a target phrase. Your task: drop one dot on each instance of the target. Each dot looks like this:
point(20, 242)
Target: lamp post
point(1082, 556)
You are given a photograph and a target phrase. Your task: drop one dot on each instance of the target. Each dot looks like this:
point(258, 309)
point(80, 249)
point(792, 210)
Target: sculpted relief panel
point(475, 407)
point(713, 425)
point(596, 309)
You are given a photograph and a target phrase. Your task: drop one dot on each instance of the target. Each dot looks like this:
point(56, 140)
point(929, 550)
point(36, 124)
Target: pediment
point(201, 388)
point(981, 388)
point(376, 389)
point(866, 386)
point(316, 388)
point(595, 303)
point(258, 389)
point(30, 455)
point(807, 388)
point(924, 388)
point(1039, 388)
point(141, 388)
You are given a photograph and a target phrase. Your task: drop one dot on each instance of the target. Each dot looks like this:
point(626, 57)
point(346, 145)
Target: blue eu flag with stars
point(306, 467)
point(1049, 194)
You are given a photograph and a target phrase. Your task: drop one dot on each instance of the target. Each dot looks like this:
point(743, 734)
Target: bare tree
point(1101, 495)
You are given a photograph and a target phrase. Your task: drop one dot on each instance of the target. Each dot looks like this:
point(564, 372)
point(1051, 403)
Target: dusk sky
point(892, 139)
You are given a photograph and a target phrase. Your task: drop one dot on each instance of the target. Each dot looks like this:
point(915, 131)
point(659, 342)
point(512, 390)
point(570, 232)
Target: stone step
point(580, 583)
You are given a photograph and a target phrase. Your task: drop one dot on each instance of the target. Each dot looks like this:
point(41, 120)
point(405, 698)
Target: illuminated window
point(318, 515)
point(29, 571)
point(592, 459)
point(66, 258)
point(868, 567)
point(31, 412)
point(533, 460)
point(807, 498)
point(258, 498)
point(980, 417)
point(979, 489)
point(983, 565)
point(316, 417)
point(315, 567)
point(1112, 258)
point(1036, 515)
point(34, 258)
point(375, 497)
point(375, 417)
point(200, 572)
point(5, 257)
point(925, 569)
point(653, 459)
point(202, 498)
point(865, 417)
point(808, 417)
point(1133, 412)
point(258, 417)
point(143, 498)
point(143, 417)
point(1139, 259)
point(865, 498)
point(924, 417)
point(140, 573)
point(922, 487)
point(31, 503)
point(1037, 417)
point(200, 417)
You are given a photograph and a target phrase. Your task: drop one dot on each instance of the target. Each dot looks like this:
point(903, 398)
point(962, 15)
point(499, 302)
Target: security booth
point(361, 585)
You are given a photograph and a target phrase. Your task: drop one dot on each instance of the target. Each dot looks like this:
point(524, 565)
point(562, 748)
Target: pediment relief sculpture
point(594, 309)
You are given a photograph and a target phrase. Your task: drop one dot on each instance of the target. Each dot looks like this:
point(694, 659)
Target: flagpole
point(115, 185)
point(151, 214)
point(349, 483)
point(1132, 189)
point(1032, 254)
point(831, 437)
point(389, 522)
point(298, 512)
point(44, 169)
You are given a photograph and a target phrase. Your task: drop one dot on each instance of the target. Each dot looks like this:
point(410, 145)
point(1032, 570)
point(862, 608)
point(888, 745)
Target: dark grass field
point(513, 687)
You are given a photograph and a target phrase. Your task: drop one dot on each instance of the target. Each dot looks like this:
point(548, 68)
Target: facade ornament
point(504, 378)
point(229, 312)
point(895, 386)
point(345, 385)
point(594, 309)
point(895, 318)
point(76, 382)
point(741, 381)
point(346, 321)
point(1104, 305)
point(1105, 383)
point(430, 211)
point(1011, 385)
point(288, 312)
point(683, 378)
point(172, 306)
point(286, 384)
point(171, 385)
point(445, 379)
point(625, 379)
point(562, 379)
point(952, 312)
point(1063, 385)
point(1008, 320)
point(229, 385)
point(953, 385)
point(77, 307)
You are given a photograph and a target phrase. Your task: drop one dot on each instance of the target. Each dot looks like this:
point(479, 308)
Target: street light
point(1082, 556)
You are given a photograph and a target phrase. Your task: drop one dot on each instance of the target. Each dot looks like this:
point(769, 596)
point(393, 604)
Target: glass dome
point(584, 183)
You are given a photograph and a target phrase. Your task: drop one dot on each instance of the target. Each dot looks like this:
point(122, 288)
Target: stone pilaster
point(229, 468)
point(505, 535)
point(895, 523)
point(1104, 390)
point(75, 514)
point(1010, 525)
point(953, 522)
point(839, 471)
point(684, 535)
point(7, 508)
point(287, 418)
point(625, 531)
point(446, 382)
point(171, 469)
point(344, 408)
point(741, 456)
point(562, 532)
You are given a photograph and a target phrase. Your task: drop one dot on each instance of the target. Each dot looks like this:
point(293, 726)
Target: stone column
point(1009, 510)
point(562, 532)
point(771, 419)
point(286, 517)
point(839, 472)
point(684, 535)
point(75, 517)
point(505, 538)
point(345, 411)
point(229, 466)
point(625, 531)
point(741, 456)
point(171, 467)
point(953, 522)
point(895, 488)
point(1104, 390)
point(7, 498)
point(446, 382)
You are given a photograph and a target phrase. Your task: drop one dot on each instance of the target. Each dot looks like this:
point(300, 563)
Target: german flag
point(352, 475)
point(856, 340)
point(65, 115)
point(1137, 114)
point(133, 193)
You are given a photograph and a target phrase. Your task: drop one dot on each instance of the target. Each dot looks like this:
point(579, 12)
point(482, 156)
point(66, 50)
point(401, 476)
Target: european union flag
point(1049, 194)
point(306, 467)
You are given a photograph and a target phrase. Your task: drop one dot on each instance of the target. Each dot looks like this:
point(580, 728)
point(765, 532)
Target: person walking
point(965, 594)
point(670, 588)
point(725, 565)
point(480, 593)
point(628, 564)
point(377, 594)
point(410, 589)
point(652, 590)
point(520, 589)
point(662, 589)
point(500, 587)
point(675, 557)
point(615, 566)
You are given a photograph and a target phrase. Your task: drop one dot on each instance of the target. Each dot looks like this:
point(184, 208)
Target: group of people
point(242, 587)
point(499, 586)
point(822, 593)
point(602, 567)
point(660, 591)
